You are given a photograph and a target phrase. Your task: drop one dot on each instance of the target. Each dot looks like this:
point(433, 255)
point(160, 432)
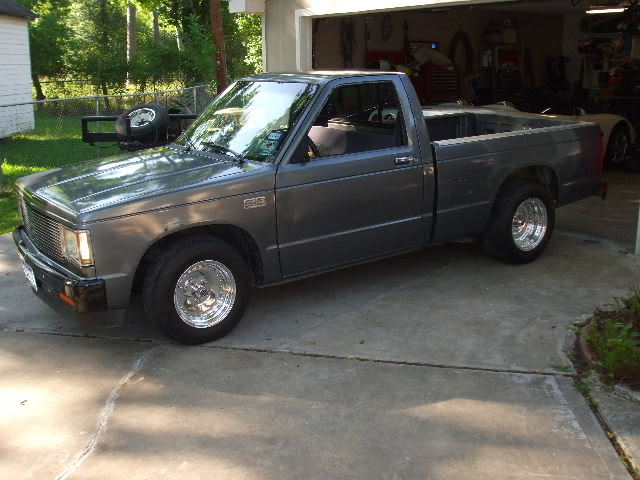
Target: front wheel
point(521, 223)
point(197, 290)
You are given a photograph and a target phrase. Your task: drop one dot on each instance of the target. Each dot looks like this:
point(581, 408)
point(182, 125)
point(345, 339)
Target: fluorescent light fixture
point(605, 10)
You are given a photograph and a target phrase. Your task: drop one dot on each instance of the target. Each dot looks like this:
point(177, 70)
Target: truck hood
point(137, 181)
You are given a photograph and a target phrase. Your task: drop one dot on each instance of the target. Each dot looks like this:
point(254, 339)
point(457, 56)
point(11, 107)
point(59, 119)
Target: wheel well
point(234, 236)
point(621, 125)
point(539, 174)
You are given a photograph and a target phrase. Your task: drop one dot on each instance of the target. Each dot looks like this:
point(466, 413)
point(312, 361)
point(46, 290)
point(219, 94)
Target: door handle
point(404, 160)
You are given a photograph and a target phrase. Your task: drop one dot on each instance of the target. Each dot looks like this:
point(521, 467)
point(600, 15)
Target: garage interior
point(551, 56)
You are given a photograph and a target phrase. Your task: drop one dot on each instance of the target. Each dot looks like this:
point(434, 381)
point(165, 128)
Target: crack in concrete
point(107, 410)
point(312, 354)
point(392, 362)
point(625, 458)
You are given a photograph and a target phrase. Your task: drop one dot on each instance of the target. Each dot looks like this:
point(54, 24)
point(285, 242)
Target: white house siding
point(15, 77)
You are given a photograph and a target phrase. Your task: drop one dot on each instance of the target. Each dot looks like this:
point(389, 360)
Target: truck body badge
point(257, 202)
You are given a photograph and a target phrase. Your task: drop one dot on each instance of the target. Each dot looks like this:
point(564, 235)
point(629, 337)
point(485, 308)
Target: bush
point(615, 337)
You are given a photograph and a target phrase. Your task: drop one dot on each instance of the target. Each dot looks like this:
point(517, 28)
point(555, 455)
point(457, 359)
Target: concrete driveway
point(441, 364)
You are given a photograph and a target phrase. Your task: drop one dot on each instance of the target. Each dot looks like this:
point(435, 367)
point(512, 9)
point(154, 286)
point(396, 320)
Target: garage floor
point(438, 364)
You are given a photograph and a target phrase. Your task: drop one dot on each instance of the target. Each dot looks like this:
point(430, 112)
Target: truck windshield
point(249, 120)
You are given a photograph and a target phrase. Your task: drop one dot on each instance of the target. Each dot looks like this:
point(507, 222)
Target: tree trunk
point(105, 99)
point(179, 38)
point(156, 28)
point(218, 36)
point(38, 87)
point(132, 36)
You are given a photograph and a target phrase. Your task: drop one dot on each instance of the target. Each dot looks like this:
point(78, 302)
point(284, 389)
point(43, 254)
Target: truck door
point(354, 188)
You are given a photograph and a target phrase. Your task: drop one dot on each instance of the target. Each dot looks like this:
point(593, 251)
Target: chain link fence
point(46, 134)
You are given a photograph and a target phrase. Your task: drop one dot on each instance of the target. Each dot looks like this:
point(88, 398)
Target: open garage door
point(524, 53)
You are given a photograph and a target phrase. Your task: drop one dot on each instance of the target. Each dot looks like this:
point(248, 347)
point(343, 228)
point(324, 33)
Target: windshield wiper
point(225, 151)
point(190, 145)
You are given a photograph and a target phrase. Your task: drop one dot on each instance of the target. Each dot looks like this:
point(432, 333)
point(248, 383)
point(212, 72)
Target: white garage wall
point(15, 76)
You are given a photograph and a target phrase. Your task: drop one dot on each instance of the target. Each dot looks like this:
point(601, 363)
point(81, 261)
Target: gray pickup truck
point(288, 175)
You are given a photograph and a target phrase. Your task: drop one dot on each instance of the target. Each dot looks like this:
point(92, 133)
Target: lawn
point(56, 141)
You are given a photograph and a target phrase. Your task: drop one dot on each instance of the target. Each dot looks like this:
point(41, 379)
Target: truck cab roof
point(317, 76)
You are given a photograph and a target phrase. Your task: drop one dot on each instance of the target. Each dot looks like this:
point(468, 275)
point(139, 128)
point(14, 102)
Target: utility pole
point(218, 36)
point(132, 36)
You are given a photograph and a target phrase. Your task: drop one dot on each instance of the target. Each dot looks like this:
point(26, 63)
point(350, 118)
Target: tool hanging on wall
point(314, 43)
point(367, 35)
point(460, 36)
point(528, 79)
point(385, 28)
point(347, 41)
point(406, 45)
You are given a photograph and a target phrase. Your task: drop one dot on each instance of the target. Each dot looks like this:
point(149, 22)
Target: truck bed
point(448, 124)
point(474, 151)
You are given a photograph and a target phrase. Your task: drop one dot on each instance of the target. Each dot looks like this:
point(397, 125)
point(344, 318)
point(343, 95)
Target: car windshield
point(249, 120)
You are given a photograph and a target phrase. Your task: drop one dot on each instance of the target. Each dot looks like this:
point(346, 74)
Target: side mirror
point(578, 112)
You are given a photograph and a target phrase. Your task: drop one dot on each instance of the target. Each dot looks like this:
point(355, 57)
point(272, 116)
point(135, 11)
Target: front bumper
point(57, 286)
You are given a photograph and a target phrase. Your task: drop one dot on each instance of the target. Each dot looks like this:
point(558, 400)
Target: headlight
point(77, 246)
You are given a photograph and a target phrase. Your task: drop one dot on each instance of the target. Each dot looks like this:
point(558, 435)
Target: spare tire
point(145, 120)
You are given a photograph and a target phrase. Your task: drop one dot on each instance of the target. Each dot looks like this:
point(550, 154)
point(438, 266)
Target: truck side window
point(358, 118)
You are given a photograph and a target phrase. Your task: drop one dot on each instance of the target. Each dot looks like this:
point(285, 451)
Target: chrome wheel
point(141, 117)
point(529, 224)
point(205, 294)
point(619, 145)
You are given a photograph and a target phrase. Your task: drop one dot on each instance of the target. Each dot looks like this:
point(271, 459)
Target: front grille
point(45, 233)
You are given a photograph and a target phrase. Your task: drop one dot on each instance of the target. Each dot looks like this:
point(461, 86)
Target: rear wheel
point(618, 146)
point(521, 223)
point(197, 289)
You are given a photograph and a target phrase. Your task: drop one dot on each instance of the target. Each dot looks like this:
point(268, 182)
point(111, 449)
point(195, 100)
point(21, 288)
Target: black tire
point(618, 145)
point(498, 239)
point(151, 128)
point(163, 275)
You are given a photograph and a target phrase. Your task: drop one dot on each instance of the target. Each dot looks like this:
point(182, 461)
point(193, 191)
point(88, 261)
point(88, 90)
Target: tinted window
point(358, 118)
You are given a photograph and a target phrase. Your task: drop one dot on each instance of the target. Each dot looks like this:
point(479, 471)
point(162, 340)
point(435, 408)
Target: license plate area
point(28, 272)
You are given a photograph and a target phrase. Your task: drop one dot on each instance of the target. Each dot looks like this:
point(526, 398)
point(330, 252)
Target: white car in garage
point(619, 135)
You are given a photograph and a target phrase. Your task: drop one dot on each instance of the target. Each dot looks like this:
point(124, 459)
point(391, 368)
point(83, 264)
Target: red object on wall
point(374, 57)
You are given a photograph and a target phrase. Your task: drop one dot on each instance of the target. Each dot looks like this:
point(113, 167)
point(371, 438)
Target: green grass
point(9, 217)
point(615, 337)
point(55, 142)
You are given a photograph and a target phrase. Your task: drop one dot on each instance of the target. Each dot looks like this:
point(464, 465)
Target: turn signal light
point(66, 299)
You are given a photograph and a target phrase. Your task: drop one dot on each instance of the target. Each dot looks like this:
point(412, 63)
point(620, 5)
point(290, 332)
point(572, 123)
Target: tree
point(243, 44)
point(113, 43)
point(49, 39)
point(132, 37)
point(100, 43)
point(218, 35)
point(156, 27)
